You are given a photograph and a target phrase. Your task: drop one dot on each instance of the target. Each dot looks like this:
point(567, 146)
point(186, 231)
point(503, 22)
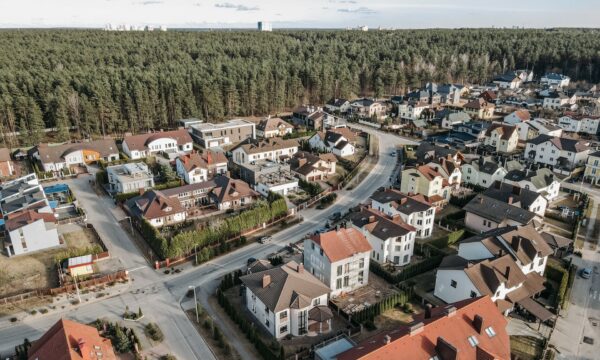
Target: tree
point(121, 341)
point(167, 173)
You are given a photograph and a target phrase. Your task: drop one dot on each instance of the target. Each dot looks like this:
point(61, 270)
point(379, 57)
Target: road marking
point(137, 268)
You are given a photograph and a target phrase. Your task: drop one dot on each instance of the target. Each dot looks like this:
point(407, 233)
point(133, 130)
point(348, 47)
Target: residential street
point(167, 291)
point(582, 318)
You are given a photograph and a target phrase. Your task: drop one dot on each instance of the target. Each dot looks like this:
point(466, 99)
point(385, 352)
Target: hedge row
point(561, 276)
point(450, 239)
point(408, 271)
point(369, 313)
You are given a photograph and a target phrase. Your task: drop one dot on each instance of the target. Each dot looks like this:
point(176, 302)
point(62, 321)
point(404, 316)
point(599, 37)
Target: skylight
point(490, 331)
point(473, 341)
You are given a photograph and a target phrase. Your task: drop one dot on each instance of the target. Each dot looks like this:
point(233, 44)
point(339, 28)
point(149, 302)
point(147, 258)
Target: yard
point(376, 290)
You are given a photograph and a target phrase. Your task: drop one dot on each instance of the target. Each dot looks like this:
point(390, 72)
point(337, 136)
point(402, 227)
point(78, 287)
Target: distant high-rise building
point(265, 26)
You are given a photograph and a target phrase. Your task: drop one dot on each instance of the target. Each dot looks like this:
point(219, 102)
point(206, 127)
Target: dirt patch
point(80, 239)
point(376, 290)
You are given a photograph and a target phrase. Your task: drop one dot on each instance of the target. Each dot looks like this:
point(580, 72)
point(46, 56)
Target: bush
point(449, 239)
point(154, 332)
point(312, 188)
point(408, 271)
point(370, 325)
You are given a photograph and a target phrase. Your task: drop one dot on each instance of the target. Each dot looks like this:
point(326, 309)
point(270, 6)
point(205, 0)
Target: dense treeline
point(112, 82)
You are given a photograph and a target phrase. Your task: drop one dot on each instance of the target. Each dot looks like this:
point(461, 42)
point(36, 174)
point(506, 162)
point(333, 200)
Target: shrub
point(33, 312)
point(370, 325)
point(154, 332)
point(13, 319)
point(43, 311)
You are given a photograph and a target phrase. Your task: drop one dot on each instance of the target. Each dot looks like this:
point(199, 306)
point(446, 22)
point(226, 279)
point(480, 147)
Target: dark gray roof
point(540, 178)
point(503, 191)
point(402, 202)
point(337, 102)
point(561, 143)
point(380, 225)
point(497, 211)
point(453, 262)
point(427, 151)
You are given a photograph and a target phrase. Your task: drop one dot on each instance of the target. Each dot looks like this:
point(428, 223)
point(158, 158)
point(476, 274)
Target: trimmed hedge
point(450, 239)
point(408, 271)
point(560, 276)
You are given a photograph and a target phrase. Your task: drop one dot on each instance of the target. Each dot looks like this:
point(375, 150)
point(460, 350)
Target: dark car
point(251, 260)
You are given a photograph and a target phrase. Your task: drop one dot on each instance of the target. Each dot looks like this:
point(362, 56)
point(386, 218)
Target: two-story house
point(580, 123)
point(340, 106)
point(482, 172)
point(559, 101)
point(30, 230)
point(6, 164)
point(479, 108)
point(157, 208)
point(391, 239)
point(427, 181)
point(555, 80)
point(339, 258)
point(172, 143)
point(502, 138)
point(311, 167)
point(337, 141)
point(509, 80)
point(288, 300)
point(414, 210)
point(541, 181)
point(228, 133)
point(451, 119)
point(58, 157)
point(592, 168)
point(128, 178)
point(517, 196)
point(474, 128)
point(274, 149)
point(506, 264)
point(449, 169)
point(273, 127)
point(536, 127)
point(563, 154)
point(517, 117)
point(484, 213)
point(412, 110)
point(368, 108)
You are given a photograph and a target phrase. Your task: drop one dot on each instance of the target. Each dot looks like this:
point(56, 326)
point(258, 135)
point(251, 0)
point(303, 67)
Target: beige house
point(427, 181)
point(480, 108)
point(311, 167)
point(592, 168)
point(272, 127)
point(501, 137)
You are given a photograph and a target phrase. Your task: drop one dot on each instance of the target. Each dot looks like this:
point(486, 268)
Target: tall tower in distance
point(265, 26)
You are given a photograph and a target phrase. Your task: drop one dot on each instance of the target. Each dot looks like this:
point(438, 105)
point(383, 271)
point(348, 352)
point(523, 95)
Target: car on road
point(586, 273)
point(265, 239)
point(393, 154)
point(335, 216)
point(251, 260)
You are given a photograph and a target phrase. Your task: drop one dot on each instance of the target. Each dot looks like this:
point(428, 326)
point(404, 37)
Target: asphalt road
point(161, 296)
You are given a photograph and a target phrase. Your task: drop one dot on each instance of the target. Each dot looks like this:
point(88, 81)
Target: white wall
point(36, 237)
point(449, 294)
point(474, 251)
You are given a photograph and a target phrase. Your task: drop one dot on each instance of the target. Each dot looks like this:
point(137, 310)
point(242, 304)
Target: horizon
point(310, 14)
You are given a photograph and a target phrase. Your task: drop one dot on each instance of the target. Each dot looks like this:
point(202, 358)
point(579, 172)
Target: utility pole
point(195, 303)
point(77, 289)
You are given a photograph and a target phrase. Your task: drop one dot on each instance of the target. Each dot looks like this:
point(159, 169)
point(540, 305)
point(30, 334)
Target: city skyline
point(307, 14)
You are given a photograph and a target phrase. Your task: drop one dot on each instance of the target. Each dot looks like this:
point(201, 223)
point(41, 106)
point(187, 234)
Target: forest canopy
point(114, 82)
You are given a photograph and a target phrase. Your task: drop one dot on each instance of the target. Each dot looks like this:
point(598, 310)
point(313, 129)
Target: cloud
point(237, 7)
point(151, 2)
point(347, 2)
point(360, 10)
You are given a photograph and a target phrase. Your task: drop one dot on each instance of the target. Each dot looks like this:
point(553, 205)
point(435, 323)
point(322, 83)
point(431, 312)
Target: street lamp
point(190, 287)
point(130, 224)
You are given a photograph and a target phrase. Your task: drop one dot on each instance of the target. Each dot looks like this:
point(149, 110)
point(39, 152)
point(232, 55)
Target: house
point(272, 127)
point(191, 168)
point(414, 210)
point(592, 168)
point(482, 172)
point(541, 180)
point(517, 196)
point(449, 169)
point(30, 230)
point(427, 181)
point(563, 154)
point(288, 300)
point(79, 265)
point(506, 264)
point(559, 101)
point(6, 165)
point(502, 138)
point(232, 194)
point(58, 157)
point(480, 108)
point(471, 329)
point(555, 80)
point(70, 340)
point(157, 208)
point(474, 128)
point(533, 128)
point(339, 258)
point(450, 120)
point(580, 123)
point(193, 197)
point(21, 194)
point(516, 117)
point(274, 149)
point(489, 96)
point(172, 143)
point(228, 133)
point(128, 178)
point(340, 106)
point(188, 123)
point(560, 245)
point(337, 141)
point(511, 80)
point(484, 213)
point(312, 117)
point(368, 108)
point(427, 152)
point(311, 167)
point(412, 110)
point(269, 176)
point(449, 94)
point(392, 240)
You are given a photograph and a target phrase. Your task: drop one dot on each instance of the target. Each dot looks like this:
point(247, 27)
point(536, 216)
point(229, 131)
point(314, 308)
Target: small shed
point(80, 265)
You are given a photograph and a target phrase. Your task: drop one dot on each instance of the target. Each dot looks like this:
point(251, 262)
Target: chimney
point(516, 243)
point(416, 328)
point(478, 324)
point(516, 190)
point(507, 272)
point(266, 280)
point(428, 311)
point(481, 199)
point(300, 268)
point(510, 200)
point(446, 350)
point(371, 219)
point(387, 339)
point(450, 311)
point(80, 345)
point(498, 184)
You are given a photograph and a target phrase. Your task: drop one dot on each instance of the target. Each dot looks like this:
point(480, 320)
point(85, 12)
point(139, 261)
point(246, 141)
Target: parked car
point(586, 273)
point(393, 153)
point(335, 216)
point(265, 239)
point(251, 260)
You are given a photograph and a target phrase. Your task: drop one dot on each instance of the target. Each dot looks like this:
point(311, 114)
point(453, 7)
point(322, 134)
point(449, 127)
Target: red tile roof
point(342, 244)
point(26, 217)
point(69, 340)
point(429, 172)
point(448, 328)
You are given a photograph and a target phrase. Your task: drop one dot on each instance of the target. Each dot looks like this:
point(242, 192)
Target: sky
point(398, 14)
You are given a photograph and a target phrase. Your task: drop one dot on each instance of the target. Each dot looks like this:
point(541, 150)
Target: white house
point(580, 123)
point(274, 149)
point(172, 143)
point(541, 181)
point(482, 172)
point(563, 154)
point(506, 264)
point(391, 239)
point(191, 168)
point(337, 141)
point(510, 80)
point(533, 128)
point(338, 105)
point(455, 118)
point(412, 110)
point(592, 168)
point(502, 138)
point(272, 127)
point(558, 101)
point(231, 132)
point(517, 117)
point(413, 210)
point(288, 300)
point(485, 213)
point(368, 108)
point(517, 196)
point(339, 258)
point(127, 178)
point(28, 231)
point(555, 80)
point(58, 157)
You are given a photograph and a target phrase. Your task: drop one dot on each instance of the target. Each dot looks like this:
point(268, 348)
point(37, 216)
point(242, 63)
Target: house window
point(361, 263)
point(339, 270)
point(346, 268)
point(473, 341)
point(531, 266)
point(346, 280)
point(473, 294)
point(267, 322)
point(283, 329)
point(405, 259)
point(321, 252)
point(490, 331)
point(313, 245)
point(338, 283)
point(453, 283)
point(283, 315)
point(541, 262)
point(361, 276)
point(317, 301)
